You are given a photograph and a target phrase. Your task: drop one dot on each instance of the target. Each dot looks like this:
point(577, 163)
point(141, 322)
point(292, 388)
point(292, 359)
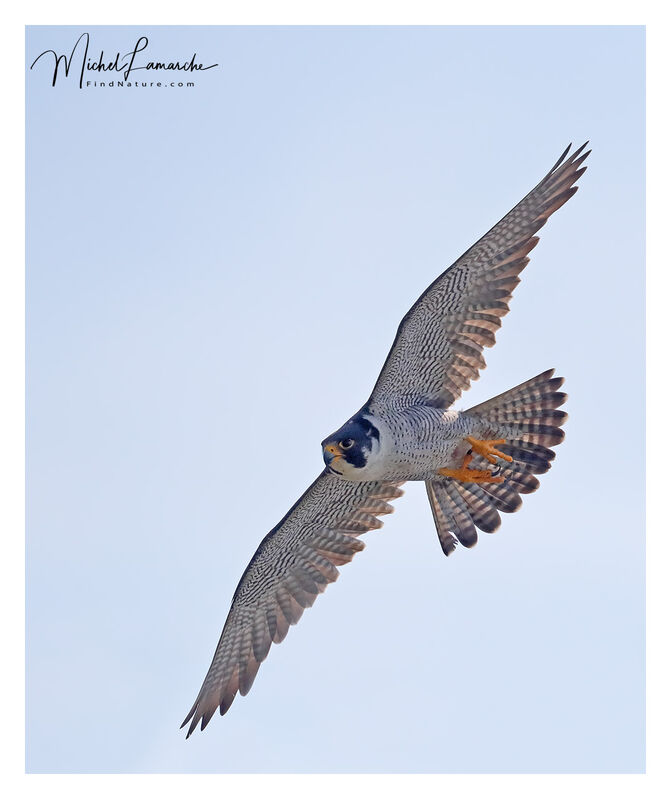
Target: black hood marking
point(362, 432)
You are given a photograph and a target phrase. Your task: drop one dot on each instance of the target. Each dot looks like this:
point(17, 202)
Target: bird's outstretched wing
point(294, 563)
point(438, 347)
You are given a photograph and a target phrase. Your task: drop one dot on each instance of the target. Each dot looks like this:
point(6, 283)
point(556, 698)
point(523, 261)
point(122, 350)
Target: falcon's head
point(348, 451)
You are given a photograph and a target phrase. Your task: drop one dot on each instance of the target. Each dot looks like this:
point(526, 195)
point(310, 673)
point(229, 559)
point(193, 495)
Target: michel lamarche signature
point(120, 63)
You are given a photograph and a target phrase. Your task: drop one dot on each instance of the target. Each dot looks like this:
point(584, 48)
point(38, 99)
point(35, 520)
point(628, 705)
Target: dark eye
point(347, 443)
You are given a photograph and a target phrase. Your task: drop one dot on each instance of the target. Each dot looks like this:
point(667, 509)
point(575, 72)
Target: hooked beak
point(331, 453)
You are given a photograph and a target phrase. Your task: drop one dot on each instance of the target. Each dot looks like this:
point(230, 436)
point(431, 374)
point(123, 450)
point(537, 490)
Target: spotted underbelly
point(415, 444)
point(422, 464)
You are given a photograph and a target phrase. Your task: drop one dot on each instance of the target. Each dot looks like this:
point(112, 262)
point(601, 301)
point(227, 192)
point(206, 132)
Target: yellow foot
point(488, 449)
point(466, 475)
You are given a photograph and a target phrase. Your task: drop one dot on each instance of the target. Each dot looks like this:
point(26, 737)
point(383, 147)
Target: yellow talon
point(466, 475)
point(488, 449)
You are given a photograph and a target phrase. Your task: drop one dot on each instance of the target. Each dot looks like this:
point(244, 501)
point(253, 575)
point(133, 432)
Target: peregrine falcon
point(474, 463)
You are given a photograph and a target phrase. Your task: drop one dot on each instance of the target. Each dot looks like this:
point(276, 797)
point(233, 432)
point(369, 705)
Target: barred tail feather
point(528, 413)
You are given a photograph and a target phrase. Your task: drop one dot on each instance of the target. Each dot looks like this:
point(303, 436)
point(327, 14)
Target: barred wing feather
point(438, 347)
point(293, 564)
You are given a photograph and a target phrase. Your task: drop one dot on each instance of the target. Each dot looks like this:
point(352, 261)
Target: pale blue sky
point(219, 271)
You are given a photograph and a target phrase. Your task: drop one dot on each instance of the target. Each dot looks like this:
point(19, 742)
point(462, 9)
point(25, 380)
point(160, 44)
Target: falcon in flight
point(474, 463)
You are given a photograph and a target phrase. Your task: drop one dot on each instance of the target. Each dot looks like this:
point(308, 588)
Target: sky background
point(217, 272)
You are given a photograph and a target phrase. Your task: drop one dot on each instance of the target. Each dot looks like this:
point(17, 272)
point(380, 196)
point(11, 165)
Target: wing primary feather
point(559, 160)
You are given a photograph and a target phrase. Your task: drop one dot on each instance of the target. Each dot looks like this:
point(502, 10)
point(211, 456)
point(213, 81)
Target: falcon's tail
point(528, 414)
